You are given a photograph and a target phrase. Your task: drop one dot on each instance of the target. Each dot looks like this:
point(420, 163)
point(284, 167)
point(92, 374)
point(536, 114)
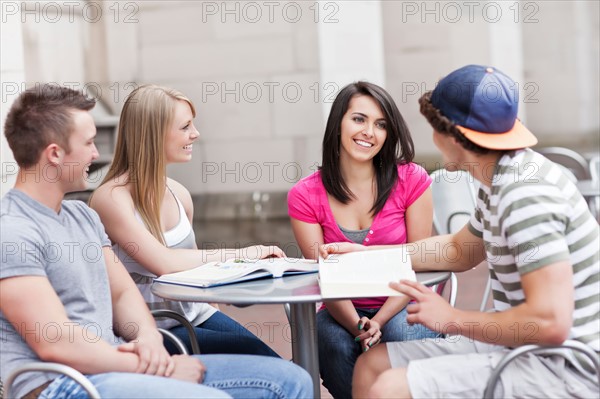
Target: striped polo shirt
point(533, 216)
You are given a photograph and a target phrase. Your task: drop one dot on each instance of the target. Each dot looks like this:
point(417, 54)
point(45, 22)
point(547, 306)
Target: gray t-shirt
point(67, 249)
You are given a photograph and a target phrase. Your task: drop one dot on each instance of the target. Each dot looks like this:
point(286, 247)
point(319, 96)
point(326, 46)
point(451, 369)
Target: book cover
point(364, 274)
point(236, 270)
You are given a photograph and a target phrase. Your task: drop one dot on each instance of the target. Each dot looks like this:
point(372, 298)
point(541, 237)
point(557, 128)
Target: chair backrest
point(569, 159)
point(595, 168)
point(454, 196)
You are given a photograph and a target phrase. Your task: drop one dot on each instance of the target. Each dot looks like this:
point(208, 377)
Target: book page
point(216, 273)
point(277, 266)
point(364, 274)
point(210, 273)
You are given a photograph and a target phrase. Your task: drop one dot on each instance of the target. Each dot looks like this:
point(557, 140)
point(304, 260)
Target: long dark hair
point(397, 148)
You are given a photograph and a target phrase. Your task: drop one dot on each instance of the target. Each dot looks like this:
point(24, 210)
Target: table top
point(290, 289)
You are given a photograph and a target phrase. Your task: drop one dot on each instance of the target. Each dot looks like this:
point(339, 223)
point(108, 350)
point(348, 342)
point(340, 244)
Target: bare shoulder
point(112, 193)
point(182, 194)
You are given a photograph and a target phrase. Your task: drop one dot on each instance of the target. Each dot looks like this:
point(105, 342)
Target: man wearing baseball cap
point(539, 239)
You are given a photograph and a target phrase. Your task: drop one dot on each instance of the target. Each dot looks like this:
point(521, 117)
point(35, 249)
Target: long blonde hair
point(145, 119)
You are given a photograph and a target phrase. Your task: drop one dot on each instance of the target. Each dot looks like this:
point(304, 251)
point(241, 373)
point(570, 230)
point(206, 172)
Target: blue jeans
point(238, 376)
point(221, 334)
point(338, 351)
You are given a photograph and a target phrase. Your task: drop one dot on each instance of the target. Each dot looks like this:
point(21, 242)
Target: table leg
point(304, 341)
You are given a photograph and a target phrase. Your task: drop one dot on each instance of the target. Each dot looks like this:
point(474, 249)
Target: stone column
point(12, 72)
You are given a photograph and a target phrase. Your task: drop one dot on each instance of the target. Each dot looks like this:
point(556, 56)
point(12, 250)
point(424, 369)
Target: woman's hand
point(339, 248)
point(371, 333)
point(261, 251)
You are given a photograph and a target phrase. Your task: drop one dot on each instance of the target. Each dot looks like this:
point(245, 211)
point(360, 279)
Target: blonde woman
point(148, 216)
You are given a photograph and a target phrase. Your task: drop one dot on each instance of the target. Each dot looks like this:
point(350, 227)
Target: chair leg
point(157, 313)
point(176, 341)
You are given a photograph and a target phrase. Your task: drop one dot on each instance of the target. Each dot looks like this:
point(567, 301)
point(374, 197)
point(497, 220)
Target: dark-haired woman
point(367, 191)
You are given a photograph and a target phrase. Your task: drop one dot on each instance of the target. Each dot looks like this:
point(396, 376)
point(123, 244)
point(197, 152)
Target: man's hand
point(339, 248)
point(153, 357)
point(370, 333)
point(188, 368)
point(430, 309)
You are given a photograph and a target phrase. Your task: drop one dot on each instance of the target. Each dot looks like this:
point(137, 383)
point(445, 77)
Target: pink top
point(308, 202)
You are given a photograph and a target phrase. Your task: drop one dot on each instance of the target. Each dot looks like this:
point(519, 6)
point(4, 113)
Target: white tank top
point(180, 236)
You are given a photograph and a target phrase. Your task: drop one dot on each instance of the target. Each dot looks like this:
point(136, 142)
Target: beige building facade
point(263, 74)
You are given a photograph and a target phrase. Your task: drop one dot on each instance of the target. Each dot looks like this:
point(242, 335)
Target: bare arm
point(456, 252)
point(419, 221)
point(130, 313)
point(545, 317)
point(310, 237)
point(419, 217)
point(31, 304)
point(116, 210)
point(133, 321)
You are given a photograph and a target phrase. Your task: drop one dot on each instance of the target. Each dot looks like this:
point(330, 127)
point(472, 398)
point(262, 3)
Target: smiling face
point(76, 163)
point(363, 130)
point(181, 134)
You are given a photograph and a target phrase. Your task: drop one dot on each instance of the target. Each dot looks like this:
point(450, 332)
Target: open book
point(364, 274)
point(236, 270)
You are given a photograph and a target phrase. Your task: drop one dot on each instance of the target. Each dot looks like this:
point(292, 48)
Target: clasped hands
point(369, 333)
point(153, 359)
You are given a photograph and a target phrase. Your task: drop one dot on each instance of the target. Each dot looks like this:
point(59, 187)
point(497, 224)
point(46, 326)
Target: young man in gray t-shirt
point(64, 295)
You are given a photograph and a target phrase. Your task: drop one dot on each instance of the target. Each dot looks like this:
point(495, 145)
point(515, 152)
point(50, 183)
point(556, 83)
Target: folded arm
point(31, 305)
point(133, 321)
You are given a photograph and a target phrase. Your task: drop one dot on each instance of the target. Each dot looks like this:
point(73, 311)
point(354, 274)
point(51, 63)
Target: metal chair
point(81, 379)
point(559, 350)
point(454, 196)
point(569, 159)
point(161, 313)
point(595, 168)
point(52, 368)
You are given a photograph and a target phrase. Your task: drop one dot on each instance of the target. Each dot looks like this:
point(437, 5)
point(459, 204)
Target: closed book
point(364, 274)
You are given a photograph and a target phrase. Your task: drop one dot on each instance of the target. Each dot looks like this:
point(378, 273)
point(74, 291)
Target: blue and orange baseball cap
point(483, 102)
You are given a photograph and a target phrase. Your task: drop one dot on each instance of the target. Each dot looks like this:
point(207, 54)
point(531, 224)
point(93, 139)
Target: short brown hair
point(445, 126)
point(41, 116)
